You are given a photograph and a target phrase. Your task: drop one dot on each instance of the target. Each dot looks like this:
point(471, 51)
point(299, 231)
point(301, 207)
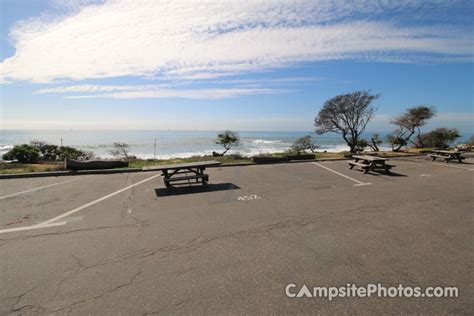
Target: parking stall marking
point(50, 222)
point(41, 188)
point(358, 183)
point(249, 197)
point(17, 229)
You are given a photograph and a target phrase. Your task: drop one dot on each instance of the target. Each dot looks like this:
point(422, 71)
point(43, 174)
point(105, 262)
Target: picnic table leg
point(198, 173)
point(165, 175)
point(370, 166)
point(433, 158)
point(204, 180)
point(459, 159)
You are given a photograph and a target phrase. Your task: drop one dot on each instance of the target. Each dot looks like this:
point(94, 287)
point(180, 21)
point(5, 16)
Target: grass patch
point(13, 168)
point(331, 155)
point(230, 159)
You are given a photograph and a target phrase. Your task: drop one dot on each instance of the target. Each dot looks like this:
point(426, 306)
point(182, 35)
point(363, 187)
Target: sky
point(243, 65)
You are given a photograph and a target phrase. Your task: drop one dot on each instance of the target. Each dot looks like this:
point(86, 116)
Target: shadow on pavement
point(382, 173)
point(160, 192)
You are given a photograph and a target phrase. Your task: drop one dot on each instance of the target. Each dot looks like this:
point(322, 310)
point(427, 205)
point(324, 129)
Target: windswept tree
point(408, 124)
point(303, 143)
point(375, 141)
point(120, 150)
point(438, 138)
point(348, 115)
point(227, 139)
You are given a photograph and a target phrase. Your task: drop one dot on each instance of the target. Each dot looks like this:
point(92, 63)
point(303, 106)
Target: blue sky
point(239, 65)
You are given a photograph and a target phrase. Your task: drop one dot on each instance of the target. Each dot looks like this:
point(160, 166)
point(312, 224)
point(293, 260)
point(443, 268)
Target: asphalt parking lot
point(121, 243)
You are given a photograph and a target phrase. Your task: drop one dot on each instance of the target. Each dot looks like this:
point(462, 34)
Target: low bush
point(23, 153)
point(73, 153)
point(438, 138)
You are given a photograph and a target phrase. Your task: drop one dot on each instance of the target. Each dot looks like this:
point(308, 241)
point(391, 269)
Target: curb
point(128, 170)
point(67, 173)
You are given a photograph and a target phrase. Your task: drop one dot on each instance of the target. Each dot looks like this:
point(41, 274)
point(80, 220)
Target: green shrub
point(49, 152)
point(70, 153)
point(23, 153)
point(438, 138)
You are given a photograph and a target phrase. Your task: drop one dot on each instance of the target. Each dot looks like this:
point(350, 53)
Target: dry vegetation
point(8, 168)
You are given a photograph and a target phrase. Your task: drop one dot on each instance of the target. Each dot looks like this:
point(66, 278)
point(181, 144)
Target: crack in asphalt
point(71, 306)
point(191, 245)
point(21, 238)
point(163, 308)
point(18, 299)
point(201, 241)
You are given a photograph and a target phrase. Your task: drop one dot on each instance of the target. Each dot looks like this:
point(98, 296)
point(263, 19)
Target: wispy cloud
point(187, 89)
point(203, 40)
point(155, 92)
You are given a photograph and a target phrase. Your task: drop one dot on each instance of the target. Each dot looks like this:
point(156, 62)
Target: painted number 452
point(248, 197)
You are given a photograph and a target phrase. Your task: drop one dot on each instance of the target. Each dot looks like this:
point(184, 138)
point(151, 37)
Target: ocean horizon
point(174, 144)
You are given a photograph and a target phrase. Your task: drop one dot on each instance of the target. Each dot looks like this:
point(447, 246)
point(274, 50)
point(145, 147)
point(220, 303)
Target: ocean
point(170, 144)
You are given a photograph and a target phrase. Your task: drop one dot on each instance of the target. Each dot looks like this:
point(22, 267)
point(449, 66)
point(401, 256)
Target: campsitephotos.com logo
point(369, 290)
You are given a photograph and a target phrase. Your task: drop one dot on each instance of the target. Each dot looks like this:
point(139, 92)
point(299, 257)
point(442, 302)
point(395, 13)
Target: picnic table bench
point(367, 163)
point(184, 173)
point(447, 155)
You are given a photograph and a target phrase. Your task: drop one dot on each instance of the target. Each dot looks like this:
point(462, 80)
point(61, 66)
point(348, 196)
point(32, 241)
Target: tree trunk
point(397, 149)
point(405, 141)
point(374, 145)
point(225, 151)
point(349, 143)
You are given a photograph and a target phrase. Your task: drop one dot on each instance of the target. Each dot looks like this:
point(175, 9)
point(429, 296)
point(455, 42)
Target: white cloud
point(148, 92)
point(455, 117)
point(95, 88)
point(202, 40)
point(233, 87)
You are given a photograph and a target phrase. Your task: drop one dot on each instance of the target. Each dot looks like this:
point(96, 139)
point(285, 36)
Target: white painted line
point(41, 188)
point(249, 197)
point(359, 183)
point(49, 221)
point(17, 229)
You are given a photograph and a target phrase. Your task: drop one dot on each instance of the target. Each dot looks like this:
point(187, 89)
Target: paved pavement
point(110, 244)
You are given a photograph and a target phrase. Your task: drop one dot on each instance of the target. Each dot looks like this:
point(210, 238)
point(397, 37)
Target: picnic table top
point(198, 164)
point(369, 158)
point(447, 152)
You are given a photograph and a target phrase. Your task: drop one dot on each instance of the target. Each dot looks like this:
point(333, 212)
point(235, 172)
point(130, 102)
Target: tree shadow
point(162, 192)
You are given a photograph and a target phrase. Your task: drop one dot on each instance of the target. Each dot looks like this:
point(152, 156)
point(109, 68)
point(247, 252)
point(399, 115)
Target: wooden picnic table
point(184, 173)
point(367, 163)
point(447, 155)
